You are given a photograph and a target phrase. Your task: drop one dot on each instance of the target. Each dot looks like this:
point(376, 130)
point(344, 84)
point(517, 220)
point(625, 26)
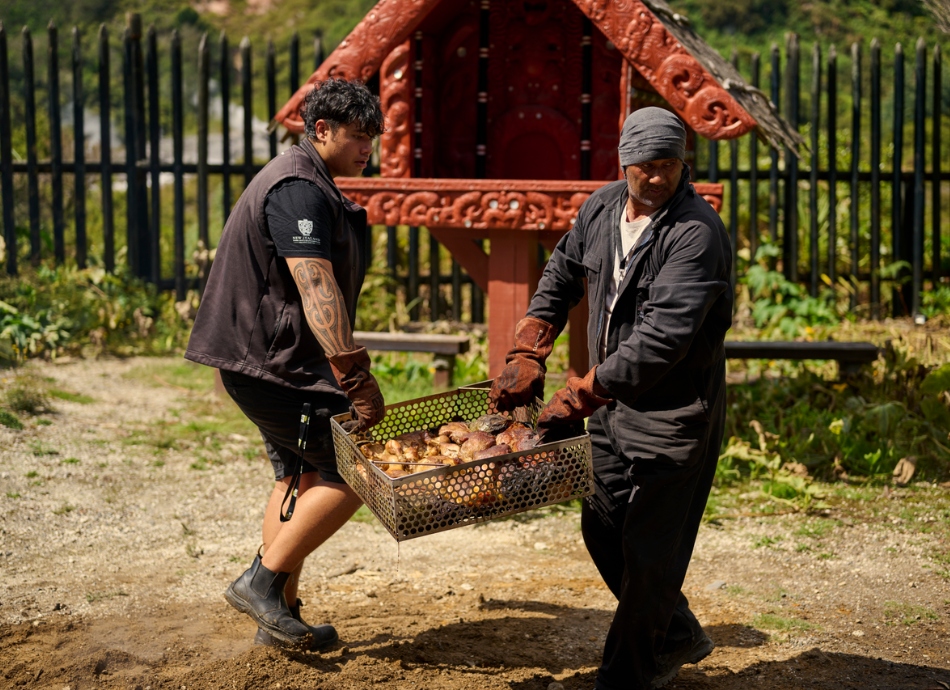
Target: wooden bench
point(850, 356)
point(444, 347)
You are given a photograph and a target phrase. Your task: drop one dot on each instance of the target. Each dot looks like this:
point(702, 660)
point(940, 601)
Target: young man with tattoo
point(276, 320)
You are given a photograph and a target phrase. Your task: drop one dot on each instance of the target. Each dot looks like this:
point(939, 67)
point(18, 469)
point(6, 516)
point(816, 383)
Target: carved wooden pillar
point(395, 95)
point(579, 356)
point(512, 280)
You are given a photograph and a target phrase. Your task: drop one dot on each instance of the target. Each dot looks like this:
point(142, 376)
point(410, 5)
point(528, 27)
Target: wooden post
point(579, 355)
point(512, 280)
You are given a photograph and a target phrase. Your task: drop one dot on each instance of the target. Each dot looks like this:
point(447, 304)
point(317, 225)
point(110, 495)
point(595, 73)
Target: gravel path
point(114, 552)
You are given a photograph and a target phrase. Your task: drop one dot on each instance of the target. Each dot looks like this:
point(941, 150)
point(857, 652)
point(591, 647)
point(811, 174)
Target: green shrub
point(10, 420)
point(780, 307)
point(27, 394)
point(863, 426)
point(63, 310)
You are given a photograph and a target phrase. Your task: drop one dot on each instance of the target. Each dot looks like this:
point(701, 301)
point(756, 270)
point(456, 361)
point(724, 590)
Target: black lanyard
point(298, 466)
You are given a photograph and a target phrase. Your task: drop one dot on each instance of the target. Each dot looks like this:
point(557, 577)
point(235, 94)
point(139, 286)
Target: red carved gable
point(640, 37)
point(361, 53)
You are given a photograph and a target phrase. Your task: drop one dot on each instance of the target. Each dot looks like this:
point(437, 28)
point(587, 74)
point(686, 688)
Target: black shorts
point(275, 409)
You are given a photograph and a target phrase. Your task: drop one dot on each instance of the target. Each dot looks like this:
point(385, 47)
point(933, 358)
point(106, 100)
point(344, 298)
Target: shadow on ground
point(811, 669)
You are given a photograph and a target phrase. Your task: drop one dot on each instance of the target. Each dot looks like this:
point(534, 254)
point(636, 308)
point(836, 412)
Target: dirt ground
point(114, 556)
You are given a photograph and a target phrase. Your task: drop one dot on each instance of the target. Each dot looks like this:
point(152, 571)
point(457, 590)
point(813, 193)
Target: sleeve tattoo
point(323, 305)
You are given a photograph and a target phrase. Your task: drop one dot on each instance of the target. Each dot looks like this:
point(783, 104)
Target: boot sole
point(698, 653)
point(281, 638)
point(265, 639)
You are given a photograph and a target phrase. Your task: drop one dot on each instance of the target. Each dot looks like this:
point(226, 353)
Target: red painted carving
point(605, 134)
point(361, 53)
point(630, 25)
point(395, 94)
point(471, 204)
point(480, 205)
point(669, 68)
point(711, 192)
point(534, 84)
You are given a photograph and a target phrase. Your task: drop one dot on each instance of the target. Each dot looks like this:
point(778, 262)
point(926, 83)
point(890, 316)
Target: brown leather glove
point(580, 398)
point(523, 379)
point(351, 370)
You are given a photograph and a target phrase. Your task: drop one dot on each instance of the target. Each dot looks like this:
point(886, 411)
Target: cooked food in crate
point(451, 444)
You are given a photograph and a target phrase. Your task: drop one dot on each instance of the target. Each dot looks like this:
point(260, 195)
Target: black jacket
point(665, 363)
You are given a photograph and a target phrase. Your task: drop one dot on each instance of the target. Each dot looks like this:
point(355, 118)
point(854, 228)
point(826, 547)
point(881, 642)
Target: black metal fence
point(864, 210)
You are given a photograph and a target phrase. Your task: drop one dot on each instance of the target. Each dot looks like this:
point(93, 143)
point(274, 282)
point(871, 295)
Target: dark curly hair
point(341, 102)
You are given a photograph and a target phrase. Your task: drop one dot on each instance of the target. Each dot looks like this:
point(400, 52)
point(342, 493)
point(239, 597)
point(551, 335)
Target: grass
point(64, 509)
point(204, 420)
point(69, 396)
point(363, 515)
point(10, 420)
point(907, 614)
point(817, 528)
point(41, 449)
point(27, 394)
point(771, 621)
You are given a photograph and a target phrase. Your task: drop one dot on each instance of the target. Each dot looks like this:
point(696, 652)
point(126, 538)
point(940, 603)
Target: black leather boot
point(259, 593)
point(323, 635)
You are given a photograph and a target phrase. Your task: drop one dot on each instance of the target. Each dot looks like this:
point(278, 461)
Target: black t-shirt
point(300, 220)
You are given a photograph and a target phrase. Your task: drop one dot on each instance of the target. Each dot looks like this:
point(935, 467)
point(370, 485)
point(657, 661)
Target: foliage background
point(783, 415)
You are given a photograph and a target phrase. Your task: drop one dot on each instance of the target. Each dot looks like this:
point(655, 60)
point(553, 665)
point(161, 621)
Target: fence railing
point(865, 209)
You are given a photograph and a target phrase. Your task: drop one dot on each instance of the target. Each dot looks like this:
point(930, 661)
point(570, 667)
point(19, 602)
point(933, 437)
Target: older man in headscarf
point(657, 261)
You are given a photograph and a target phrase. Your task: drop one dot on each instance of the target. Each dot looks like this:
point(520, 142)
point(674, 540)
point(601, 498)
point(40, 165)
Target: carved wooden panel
point(480, 205)
point(395, 95)
point(669, 68)
point(605, 134)
point(534, 89)
point(635, 31)
point(450, 92)
point(362, 52)
point(471, 204)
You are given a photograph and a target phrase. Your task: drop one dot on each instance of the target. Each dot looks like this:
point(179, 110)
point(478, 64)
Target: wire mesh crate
point(445, 498)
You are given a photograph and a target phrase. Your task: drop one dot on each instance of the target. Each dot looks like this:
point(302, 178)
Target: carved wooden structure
point(503, 116)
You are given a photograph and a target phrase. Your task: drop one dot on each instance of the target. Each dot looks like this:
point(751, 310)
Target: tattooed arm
point(323, 304)
point(326, 314)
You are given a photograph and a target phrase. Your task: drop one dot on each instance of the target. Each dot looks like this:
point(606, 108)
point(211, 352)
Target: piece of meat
point(526, 443)
point(456, 431)
point(490, 423)
point(388, 462)
point(394, 446)
point(415, 438)
point(513, 433)
point(370, 450)
point(493, 451)
point(519, 437)
point(478, 440)
point(451, 450)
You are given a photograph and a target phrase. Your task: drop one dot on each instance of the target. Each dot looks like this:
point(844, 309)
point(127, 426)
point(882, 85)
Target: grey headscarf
point(651, 134)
